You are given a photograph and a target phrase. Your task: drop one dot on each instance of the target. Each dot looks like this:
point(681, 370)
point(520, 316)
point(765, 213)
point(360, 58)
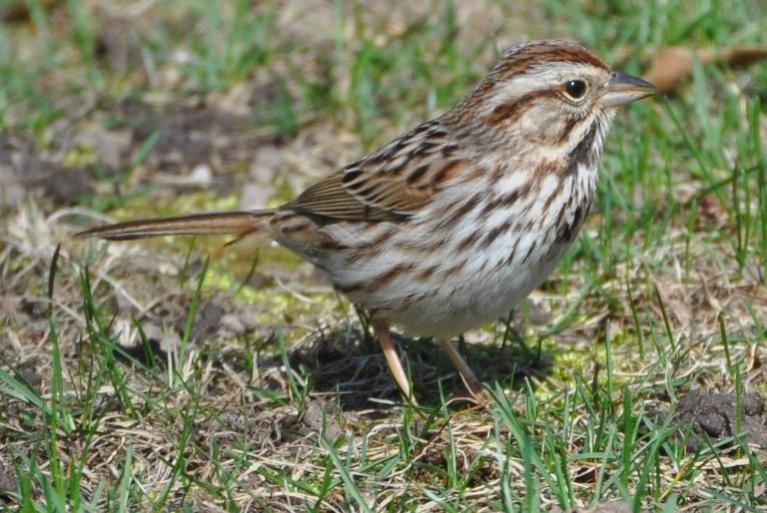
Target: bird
point(447, 227)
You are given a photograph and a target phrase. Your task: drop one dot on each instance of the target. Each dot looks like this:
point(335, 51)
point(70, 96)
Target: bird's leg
point(470, 381)
point(392, 360)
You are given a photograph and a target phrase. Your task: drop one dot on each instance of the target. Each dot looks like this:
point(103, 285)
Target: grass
point(176, 376)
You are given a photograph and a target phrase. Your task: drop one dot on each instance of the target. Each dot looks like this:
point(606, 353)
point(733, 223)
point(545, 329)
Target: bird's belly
point(443, 292)
point(440, 287)
point(472, 299)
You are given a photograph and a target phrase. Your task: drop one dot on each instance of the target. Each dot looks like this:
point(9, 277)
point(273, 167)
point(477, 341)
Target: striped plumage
point(450, 225)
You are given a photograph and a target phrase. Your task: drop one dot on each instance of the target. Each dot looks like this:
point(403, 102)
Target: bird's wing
point(391, 184)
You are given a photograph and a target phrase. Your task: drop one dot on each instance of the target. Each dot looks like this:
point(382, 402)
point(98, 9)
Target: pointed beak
point(622, 89)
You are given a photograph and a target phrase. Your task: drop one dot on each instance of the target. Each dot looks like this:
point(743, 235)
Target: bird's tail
point(239, 224)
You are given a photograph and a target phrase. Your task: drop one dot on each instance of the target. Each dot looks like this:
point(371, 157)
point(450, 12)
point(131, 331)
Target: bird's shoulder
point(392, 183)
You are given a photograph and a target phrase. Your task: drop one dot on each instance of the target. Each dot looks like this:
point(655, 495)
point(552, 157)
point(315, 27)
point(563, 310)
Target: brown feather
point(215, 223)
point(379, 189)
point(329, 198)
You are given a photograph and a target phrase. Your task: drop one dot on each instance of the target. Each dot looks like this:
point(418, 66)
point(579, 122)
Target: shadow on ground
point(344, 361)
point(351, 364)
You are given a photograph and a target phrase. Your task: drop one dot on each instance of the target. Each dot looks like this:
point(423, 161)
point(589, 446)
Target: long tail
point(240, 224)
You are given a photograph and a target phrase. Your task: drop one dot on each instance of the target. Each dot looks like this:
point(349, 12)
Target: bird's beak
point(622, 89)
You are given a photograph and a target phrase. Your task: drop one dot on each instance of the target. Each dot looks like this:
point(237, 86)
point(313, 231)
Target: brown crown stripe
point(530, 56)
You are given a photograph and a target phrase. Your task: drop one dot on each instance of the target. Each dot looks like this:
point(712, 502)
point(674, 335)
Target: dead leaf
point(672, 65)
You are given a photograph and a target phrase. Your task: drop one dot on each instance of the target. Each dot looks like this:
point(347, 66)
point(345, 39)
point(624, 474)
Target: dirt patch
point(610, 507)
point(188, 137)
point(8, 481)
point(22, 171)
point(714, 417)
point(605, 507)
point(275, 426)
point(206, 321)
point(319, 417)
point(262, 428)
point(163, 326)
point(178, 148)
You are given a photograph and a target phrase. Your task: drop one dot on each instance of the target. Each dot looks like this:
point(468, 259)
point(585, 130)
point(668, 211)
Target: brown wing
point(391, 184)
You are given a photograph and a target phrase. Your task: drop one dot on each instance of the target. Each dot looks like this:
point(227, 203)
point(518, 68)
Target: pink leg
point(393, 361)
point(470, 381)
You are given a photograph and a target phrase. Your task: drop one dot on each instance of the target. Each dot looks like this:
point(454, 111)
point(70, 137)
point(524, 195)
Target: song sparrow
point(450, 225)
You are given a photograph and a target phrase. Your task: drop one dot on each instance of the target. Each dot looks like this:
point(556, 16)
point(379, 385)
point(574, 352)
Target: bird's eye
point(575, 89)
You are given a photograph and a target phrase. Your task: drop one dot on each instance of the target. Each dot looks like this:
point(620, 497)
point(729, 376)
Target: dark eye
point(575, 89)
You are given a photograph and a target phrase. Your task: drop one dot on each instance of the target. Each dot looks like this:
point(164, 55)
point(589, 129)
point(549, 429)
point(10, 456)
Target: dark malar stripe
point(581, 154)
